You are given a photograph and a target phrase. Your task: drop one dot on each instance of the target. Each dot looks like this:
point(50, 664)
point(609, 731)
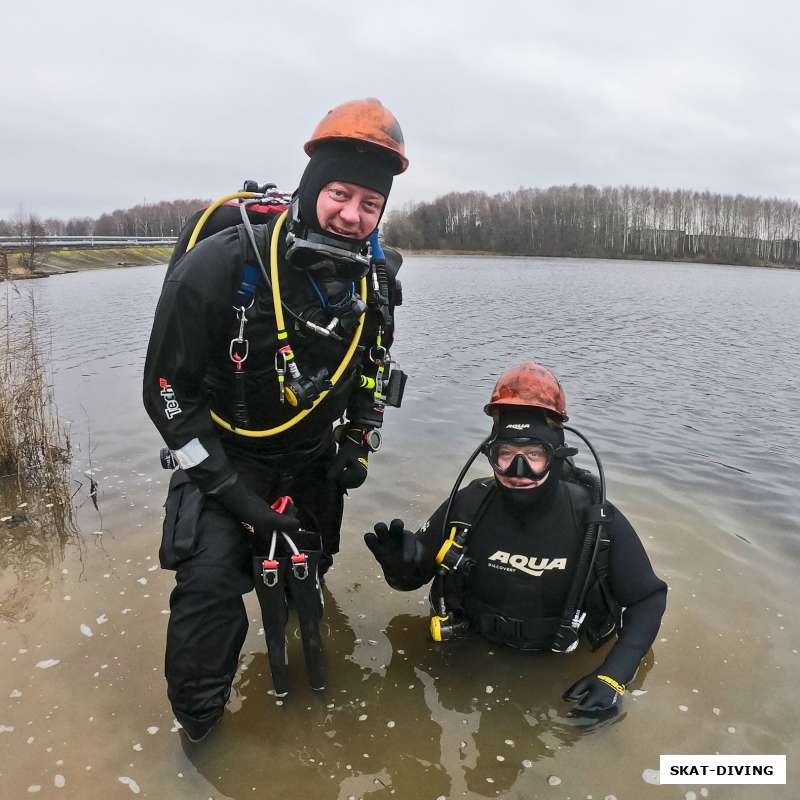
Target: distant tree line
point(149, 219)
point(622, 222)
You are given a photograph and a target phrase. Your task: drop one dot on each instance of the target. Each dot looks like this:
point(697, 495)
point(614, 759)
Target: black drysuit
point(189, 372)
point(523, 564)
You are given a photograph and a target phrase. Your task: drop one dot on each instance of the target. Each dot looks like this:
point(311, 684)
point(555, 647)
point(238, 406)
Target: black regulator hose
point(567, 636)
point(457, 485)
point(597, 461)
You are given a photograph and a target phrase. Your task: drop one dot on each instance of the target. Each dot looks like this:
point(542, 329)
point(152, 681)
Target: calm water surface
point(685, 379)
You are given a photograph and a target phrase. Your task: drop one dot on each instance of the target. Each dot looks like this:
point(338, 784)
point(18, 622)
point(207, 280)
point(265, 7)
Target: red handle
point(280, 504)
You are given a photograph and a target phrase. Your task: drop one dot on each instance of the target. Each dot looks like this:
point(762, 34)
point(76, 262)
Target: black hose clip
point(567, 636)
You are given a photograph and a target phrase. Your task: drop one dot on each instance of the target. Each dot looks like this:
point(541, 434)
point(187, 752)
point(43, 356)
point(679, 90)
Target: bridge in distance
point(17, 242)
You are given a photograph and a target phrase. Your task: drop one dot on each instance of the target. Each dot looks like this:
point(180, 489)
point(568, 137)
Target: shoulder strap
point(471, 502)
point(252, 276)
point(601, 563)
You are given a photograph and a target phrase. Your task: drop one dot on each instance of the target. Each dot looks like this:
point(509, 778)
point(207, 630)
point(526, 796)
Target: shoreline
point(59, 262)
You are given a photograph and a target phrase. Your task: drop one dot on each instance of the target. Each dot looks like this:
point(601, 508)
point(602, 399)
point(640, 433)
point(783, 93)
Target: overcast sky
point(106, 105)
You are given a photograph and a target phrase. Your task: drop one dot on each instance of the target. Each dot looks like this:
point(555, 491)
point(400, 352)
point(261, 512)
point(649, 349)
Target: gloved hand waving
point(594, 694)
point(396, 549)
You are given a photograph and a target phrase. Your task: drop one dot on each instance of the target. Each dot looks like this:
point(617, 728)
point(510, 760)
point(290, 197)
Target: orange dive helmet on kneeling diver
point(530, 384)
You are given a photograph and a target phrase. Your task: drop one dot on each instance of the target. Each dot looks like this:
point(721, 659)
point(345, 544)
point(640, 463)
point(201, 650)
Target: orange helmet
point(362, 121)
point(529, 384)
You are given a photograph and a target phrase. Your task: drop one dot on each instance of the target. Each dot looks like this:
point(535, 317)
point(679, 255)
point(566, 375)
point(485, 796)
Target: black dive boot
point(270, 580)
point(306, 594)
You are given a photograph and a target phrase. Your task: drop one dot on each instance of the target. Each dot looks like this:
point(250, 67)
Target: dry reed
point(34, 445)
point(35, 455)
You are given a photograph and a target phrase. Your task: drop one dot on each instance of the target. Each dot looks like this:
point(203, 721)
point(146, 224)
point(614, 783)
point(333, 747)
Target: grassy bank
point(54, 262)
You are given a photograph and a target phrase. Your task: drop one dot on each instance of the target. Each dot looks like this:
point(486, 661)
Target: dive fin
point(269, 576)
point(306, 593)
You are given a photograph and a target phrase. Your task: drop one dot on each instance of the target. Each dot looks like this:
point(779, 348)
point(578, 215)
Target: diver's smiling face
point(349, 210)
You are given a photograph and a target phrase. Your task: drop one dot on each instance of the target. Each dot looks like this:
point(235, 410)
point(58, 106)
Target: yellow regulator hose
point(276, 299)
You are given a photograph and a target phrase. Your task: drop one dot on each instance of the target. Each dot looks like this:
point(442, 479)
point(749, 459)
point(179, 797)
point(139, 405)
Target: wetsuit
point(189, 372)
point(523, 561)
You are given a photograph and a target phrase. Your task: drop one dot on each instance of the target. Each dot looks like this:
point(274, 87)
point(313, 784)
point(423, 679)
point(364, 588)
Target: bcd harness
point(296, 389)
point(589, 598)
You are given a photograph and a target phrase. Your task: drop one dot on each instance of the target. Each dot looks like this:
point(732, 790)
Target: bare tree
point(612, 222)
point(28, 229)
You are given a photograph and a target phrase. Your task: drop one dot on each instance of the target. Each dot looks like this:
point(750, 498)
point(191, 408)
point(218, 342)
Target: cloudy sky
point(105, 105)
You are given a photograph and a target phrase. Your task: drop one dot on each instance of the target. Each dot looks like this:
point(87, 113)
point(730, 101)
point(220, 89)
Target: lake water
point(685, 379)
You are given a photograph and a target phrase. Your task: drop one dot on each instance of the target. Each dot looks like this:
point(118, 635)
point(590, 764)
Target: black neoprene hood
point(519, 422)
point(337, 161)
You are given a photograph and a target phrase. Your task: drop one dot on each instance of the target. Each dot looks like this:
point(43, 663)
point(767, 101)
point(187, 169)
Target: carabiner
point(377, 359)
point(242, 322)
point(234, 351)
point(237, 357)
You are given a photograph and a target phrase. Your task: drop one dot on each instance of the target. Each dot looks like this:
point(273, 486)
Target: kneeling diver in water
point(534, 556)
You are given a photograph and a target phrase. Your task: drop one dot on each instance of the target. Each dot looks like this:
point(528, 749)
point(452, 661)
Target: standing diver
point(275, 320)
point(535, 556)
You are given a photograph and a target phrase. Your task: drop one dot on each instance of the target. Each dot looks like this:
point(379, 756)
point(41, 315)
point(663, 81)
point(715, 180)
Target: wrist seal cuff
point(619, 688)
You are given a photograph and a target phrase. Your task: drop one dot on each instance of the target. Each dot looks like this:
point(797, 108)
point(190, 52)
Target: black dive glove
point(255, 515)
point(594, 694)
point(349, 468)
point(397, 550)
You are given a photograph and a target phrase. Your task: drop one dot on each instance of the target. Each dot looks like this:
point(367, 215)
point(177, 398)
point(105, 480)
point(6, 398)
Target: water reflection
point(367, 731)
point(34, 535)
point(499, 710)
point(454, 719)
point(692, 413)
